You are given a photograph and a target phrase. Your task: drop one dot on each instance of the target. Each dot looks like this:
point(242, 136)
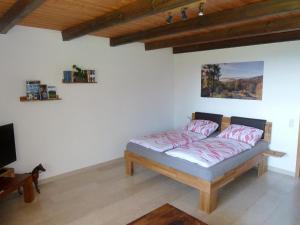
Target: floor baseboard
point(82, 170)
point(116, 161)
point(281, 171)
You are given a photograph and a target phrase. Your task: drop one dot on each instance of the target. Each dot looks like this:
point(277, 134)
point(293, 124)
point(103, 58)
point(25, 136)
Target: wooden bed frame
point(208, 189)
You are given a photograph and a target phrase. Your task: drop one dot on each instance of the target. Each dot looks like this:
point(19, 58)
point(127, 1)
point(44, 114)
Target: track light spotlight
point(184, 15)
point(169, 18)
point(201, 8)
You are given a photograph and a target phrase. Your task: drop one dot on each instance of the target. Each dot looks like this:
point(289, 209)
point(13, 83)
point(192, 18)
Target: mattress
point(194, 169)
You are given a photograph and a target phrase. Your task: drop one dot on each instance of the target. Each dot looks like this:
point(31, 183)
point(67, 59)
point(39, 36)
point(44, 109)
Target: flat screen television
point(7, 145)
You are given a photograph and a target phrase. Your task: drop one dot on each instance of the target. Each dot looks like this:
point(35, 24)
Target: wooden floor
point(106, 196)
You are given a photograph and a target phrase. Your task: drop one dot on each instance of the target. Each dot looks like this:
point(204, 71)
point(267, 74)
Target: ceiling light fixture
point(169, 18)
point(201, 8)
point(184, 15)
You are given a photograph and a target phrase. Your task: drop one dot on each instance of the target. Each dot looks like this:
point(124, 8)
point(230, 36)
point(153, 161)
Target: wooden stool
point(11, 184)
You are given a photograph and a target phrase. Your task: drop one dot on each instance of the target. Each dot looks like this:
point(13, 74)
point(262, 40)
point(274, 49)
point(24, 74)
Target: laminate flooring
point(106, 196)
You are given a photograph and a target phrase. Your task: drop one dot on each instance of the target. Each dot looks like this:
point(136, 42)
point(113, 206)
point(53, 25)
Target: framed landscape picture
point(243, 80)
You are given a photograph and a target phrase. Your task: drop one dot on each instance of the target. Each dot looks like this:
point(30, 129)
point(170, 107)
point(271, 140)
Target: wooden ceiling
point(126, 21)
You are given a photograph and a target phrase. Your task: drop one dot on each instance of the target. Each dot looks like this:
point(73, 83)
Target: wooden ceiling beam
point(17, 12)
point(290, 23)
point(256, 40)
point(260, 10)
point(133, 11)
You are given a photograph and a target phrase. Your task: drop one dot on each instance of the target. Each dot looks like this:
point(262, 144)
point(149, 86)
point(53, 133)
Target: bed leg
point(263, 165)
point(208, 201)
point(129, 168)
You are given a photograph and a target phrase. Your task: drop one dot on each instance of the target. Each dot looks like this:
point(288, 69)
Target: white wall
point(281, 92)
point(134, 96)
point(92, 123)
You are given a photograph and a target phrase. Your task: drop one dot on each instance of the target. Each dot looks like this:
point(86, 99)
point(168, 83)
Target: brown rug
point(167, 215)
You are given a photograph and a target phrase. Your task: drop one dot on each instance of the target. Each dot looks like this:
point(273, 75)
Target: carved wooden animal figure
point(35, 176)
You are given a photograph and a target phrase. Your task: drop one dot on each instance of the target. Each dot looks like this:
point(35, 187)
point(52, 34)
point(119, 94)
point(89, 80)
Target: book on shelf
point(43, 92)
point(33, 89)
point(68, 77)
point(91, 76)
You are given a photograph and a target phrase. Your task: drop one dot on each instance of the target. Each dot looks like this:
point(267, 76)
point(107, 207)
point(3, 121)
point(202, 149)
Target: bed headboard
point(217, 118)
point(257, 123)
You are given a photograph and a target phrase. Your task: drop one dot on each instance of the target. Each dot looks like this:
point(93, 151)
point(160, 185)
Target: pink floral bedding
point(168, 140)
point(249, 135)
point(205, 127)
point(210, 151)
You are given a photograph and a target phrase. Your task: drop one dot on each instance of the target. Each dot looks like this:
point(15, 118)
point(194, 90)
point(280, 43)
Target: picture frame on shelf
point(33, 89)
point(52, 92)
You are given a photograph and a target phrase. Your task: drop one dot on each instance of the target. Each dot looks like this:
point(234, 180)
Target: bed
point(206, 180)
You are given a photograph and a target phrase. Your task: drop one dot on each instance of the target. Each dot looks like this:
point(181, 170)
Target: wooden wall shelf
point(273, 153)
point(24, 99)
point(82, 82)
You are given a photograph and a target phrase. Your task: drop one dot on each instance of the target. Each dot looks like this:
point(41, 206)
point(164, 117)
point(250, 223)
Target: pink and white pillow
point(205, 127)
point(249, 135)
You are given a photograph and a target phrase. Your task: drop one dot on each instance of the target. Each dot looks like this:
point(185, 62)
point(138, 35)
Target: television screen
point(7, 145)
